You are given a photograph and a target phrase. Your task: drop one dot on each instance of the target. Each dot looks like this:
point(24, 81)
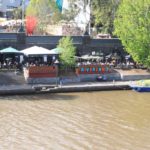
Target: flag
point(59, 4)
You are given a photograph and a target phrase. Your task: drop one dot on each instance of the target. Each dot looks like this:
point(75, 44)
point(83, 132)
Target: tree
point(132, 26)
point(70, 13)
point(67, 51)
point(45, 11)
point(17, 13)
point(103, 12)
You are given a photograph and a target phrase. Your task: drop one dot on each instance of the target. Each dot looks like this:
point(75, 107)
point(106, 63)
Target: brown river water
point(117, 120)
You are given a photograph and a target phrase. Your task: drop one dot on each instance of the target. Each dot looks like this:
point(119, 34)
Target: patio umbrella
point(108, 56)
point(9, 50)
point(96, 57)
point(77, 57)
point(56, 50)
point(85, 57)
point(36, 50)
point(116, 56)
point(127, 56)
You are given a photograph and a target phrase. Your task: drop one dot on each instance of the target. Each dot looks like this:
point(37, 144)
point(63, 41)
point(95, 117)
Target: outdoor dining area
point(113, 60)
point(41, 65)
point(11, 58)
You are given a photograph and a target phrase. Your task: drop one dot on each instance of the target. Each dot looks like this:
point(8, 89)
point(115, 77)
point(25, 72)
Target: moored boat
point(141, 86)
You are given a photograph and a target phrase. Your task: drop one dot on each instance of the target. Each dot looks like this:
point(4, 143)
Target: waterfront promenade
point(12, 83)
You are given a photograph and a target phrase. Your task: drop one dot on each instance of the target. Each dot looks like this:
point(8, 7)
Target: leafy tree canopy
point(46, 12)
point(104, 12)
point(17, 13)
point(132, 26)
point(71, 13)
point(67, 51)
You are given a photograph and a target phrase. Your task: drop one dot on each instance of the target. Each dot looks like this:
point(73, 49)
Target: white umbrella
point(85, 57)
point(36, 50)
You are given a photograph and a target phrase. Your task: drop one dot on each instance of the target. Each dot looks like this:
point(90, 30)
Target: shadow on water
point(38, 97)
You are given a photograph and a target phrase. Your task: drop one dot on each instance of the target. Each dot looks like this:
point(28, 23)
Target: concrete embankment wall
point(74, 79)
point(80, 87)
point(86, 78)
point(16, 89)
point(88, 88)
point(43, 80)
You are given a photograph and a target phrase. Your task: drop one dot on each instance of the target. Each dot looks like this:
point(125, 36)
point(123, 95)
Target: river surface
point(117, 120)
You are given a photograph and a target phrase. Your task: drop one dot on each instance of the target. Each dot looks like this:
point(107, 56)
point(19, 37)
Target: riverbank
point(12, 83)
point(78, 87)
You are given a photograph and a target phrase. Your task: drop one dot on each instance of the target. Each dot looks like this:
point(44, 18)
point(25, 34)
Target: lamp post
point(21, 29)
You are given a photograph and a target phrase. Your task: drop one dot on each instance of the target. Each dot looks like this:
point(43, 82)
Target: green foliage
point(46, 12)
point(132, 26)
point(67, 51)
point(104, 12)
point(17, 13)
point(71, 13)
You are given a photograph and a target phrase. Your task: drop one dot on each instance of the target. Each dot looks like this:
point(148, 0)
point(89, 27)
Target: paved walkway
point(12, 83)
point(11, 77)
point(7, 78)
point(133, 72)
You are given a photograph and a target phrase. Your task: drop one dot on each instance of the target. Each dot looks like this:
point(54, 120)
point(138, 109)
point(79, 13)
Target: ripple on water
point(76, 121)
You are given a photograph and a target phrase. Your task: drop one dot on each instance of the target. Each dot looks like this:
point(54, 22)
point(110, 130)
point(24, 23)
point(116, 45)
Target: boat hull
point(141, 85)
point(140, 88)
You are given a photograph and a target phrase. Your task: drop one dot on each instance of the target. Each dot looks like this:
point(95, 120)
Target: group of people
point(112, 64)
point(10, 65)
